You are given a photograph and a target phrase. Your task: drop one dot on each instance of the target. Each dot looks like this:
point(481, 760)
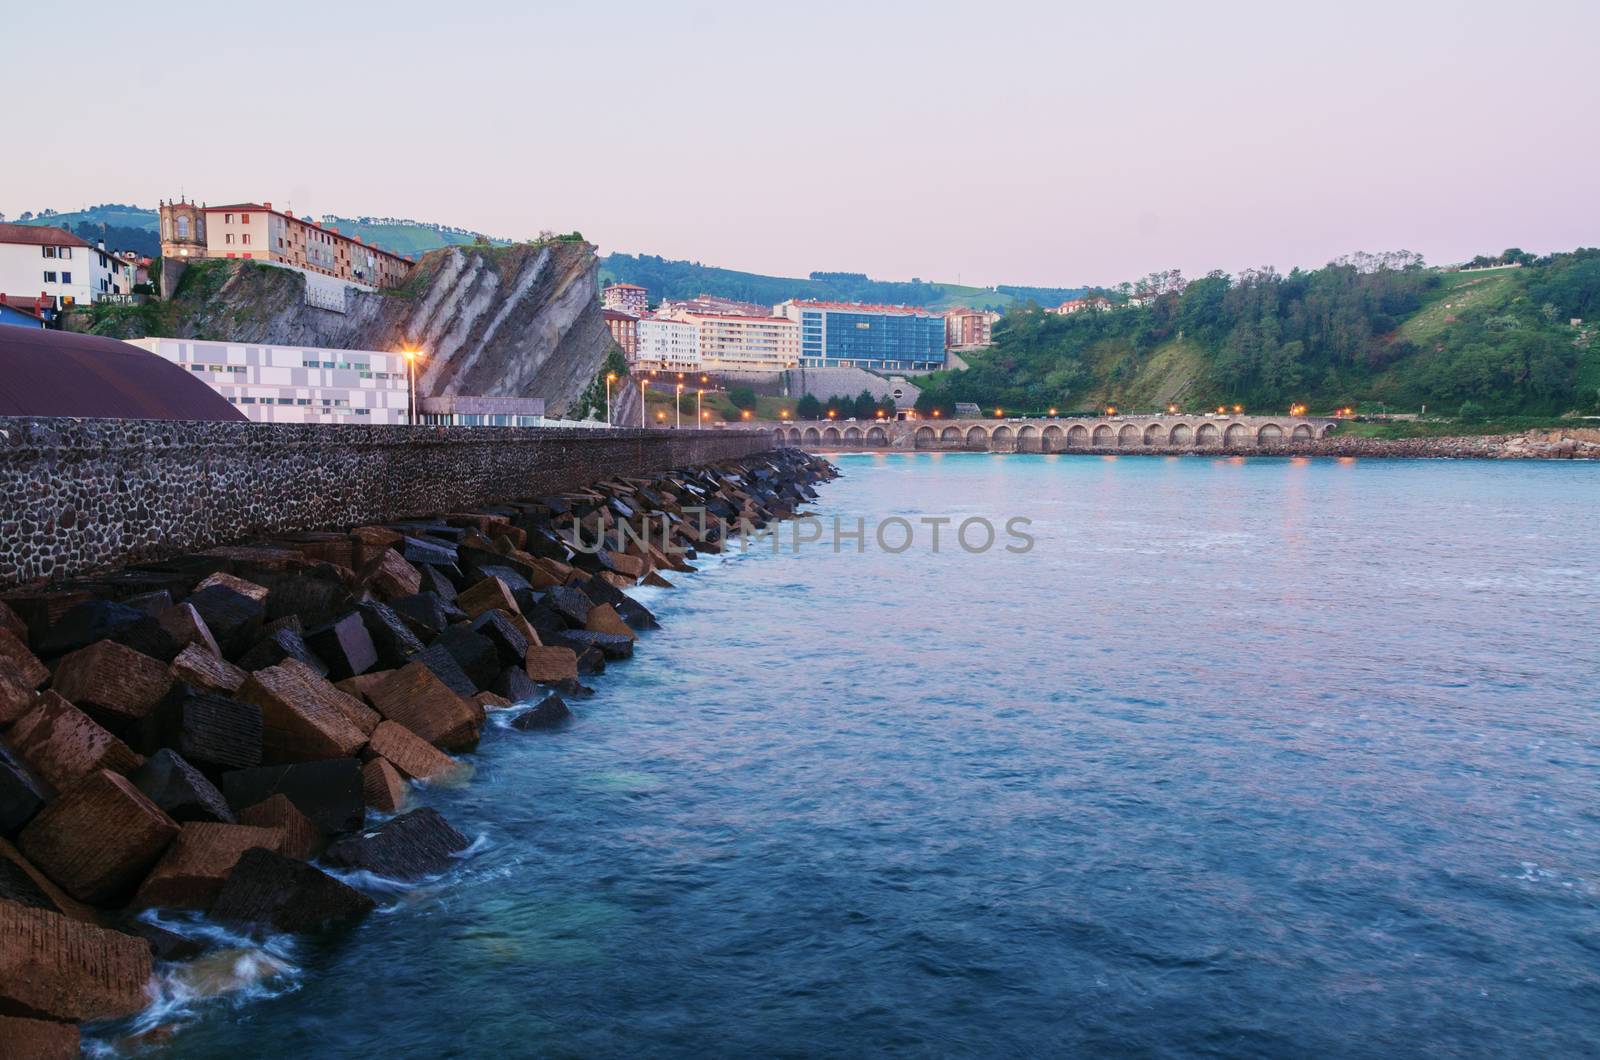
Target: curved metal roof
point(58, 373)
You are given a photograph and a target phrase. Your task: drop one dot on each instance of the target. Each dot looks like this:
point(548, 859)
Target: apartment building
point(256, 231)
point(878, 337)
point(667, 346)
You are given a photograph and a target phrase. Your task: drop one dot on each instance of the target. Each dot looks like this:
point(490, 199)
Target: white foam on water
point(239, 971)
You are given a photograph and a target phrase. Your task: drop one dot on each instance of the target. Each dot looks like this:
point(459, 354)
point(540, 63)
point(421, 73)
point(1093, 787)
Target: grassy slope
point(1459, 292)
point(108, 215)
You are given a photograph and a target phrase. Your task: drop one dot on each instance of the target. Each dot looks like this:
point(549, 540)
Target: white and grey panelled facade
point(296, 384)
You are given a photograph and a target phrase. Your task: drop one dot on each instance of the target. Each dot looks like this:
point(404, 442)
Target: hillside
point(1496, 341)
point(665, 279)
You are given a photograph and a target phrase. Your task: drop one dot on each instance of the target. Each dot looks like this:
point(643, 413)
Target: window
point(66, 252)
point(286, 401)
point(49, 252)
point(183, 228)
point(227, 218)
point(228, 238)
point(49, 277)
point(245, 239)
point(244, 218)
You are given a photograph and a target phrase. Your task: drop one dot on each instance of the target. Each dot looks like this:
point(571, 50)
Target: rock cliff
point(517, 321)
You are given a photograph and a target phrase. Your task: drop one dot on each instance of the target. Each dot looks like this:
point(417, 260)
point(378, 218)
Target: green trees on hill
point(1336, 335)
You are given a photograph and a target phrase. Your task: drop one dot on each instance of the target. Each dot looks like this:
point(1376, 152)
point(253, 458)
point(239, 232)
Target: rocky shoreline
point(210, 732)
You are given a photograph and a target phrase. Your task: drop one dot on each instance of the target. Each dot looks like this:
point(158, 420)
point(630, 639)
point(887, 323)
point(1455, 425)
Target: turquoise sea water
point(1259, 758)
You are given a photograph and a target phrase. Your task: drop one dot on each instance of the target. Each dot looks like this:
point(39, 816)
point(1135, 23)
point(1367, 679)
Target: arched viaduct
point(1103, 435)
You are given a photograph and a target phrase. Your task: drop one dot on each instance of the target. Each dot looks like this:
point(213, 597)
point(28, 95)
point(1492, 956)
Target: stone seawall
point(78, 496)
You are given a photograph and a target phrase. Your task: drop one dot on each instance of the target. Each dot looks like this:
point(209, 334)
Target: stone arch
point(950, 437)
point(1328, 429)
point(794, 432)
point(879, 437)
point(813, 436)
point(1207, 435)
point(853, 435)
point(1077, 436)
point(1028, 439)
point(1104, 437)
point(1128, 436)
point(924, 438)
point(977, 438)
point(1269, 434)
point(831, 436)
point(1002, 435)
point(1154, 435)
point(1236, 436)
point(1180, 434)
point(1053, 440)
point(1301, 433)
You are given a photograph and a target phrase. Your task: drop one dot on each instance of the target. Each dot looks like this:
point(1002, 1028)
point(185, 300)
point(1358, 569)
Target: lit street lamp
point(610, 378)
point(643, 383)
point(697, 395)
point(411, 377)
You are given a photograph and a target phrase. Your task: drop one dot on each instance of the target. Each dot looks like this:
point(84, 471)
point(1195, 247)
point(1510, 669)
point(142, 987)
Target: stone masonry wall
point(84, 495)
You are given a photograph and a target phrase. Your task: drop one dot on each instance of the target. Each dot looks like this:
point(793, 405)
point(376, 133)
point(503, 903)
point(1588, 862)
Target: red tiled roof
point(617, 314)
point(39, 236)
point(630, 286)
point(60, 373)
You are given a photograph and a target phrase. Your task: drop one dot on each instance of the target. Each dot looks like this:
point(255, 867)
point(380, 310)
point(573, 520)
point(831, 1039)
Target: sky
point(1008, 141)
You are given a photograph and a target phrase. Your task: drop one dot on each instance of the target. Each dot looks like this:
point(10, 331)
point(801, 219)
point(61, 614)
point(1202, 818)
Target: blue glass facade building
point(883, 338)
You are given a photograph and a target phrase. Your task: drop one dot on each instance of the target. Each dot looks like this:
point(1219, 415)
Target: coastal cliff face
point(517, 321)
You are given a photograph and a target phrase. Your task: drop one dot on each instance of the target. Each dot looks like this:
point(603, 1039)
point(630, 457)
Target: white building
point(55, 264)
point(667, 346)
point(626, 298)
point(297, 384)
point(734, 343)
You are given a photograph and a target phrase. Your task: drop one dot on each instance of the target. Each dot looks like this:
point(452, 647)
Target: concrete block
point(301, 839)
point(98, 838)
point(191, 873)
point(200, 667)
point(181, 790)
point(113, 683)
point(409, 847)
point(62, 744)
point(415, 698)
point(410, 753)
point(303, 717)
point(64, 969)
point(277, 892)
point(384, 787)
point(327, 792)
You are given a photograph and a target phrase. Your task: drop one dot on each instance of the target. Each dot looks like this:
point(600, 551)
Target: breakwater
point(88, 495)
point(194, 732)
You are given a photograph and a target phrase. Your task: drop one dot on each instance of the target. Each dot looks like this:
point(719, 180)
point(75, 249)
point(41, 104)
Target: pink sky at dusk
point(1003, 142)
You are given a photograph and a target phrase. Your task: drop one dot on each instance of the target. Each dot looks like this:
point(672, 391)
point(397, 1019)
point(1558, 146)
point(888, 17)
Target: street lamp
point(998, 413)
point(1052, 412)
point(611, 377)
point(697, 396)
point(679, 403)
point(411, 378)
point(643, 386)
